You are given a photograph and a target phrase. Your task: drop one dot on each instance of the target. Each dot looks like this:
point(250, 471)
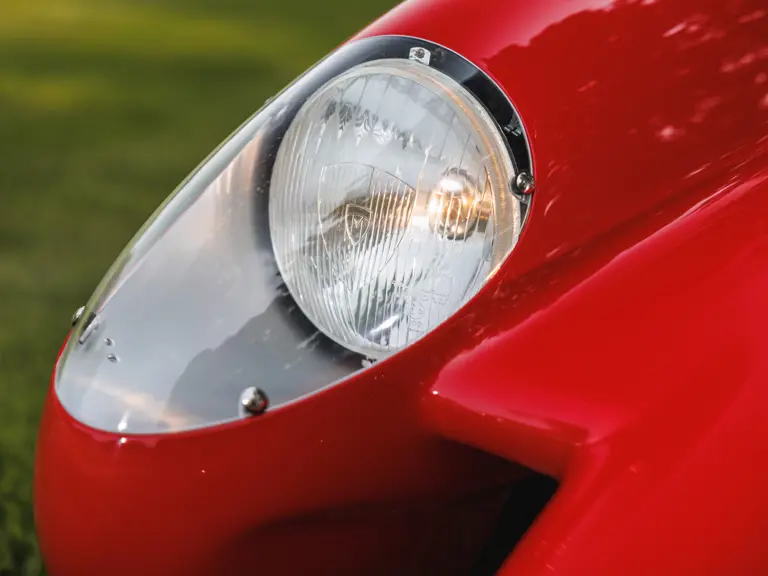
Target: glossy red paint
point(345, 483)
point(620, 348)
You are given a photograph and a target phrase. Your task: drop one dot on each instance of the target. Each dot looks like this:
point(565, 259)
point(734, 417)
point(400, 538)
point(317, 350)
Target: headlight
point(390, 204)
point(349, 217)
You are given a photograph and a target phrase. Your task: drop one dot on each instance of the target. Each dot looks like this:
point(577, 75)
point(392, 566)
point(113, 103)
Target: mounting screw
point(524, 184)
point(90, 325)
point(420, 55)
point(77, 315)
point(254, 401)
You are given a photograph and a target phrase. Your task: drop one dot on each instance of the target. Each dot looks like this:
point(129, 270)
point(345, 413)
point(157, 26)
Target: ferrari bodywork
point(619, 351)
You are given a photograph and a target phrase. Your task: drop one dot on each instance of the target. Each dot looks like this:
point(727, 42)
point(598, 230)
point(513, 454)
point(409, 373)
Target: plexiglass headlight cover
point(350, 216)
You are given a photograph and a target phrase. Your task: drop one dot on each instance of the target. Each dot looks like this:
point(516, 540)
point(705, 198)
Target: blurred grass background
point(105, 105)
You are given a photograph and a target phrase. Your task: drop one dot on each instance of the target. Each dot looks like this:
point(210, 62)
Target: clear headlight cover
point(347, 218)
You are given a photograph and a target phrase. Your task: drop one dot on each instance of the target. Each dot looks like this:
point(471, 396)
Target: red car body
point(621, 349)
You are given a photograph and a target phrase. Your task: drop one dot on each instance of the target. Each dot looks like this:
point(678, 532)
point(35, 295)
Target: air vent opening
point(527, 499)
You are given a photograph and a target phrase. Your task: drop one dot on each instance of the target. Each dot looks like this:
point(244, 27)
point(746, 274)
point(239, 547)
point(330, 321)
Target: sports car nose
point(333, 471)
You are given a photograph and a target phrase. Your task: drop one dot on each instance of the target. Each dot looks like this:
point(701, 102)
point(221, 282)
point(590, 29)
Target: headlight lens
point(390, 204)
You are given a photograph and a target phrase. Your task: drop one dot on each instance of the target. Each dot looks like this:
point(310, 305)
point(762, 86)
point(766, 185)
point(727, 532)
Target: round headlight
point(390, 204)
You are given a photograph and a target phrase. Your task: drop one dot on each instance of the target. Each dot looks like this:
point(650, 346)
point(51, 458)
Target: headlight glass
point(349, 217)
point(390, 204)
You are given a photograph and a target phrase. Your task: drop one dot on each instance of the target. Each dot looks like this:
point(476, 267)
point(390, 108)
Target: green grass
point(105, 105)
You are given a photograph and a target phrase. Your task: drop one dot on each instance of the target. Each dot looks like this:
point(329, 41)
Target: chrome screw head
point(254, 401)
point(524, 183)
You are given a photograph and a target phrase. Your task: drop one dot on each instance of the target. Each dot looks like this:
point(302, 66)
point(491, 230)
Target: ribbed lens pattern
point(389, 204)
